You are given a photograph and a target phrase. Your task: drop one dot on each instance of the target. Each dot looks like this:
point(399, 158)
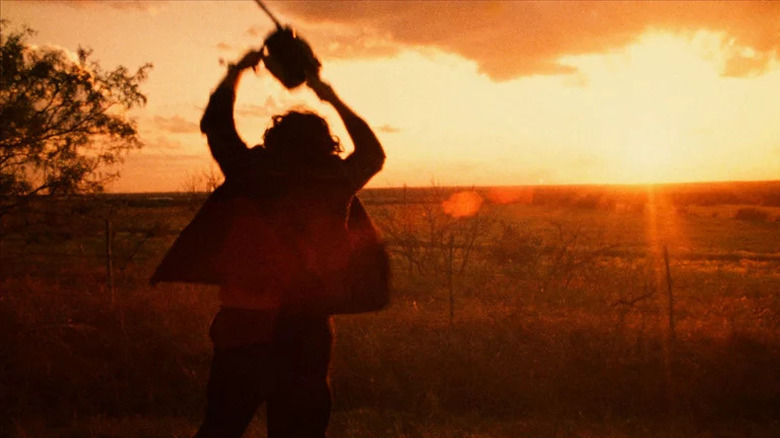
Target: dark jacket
point(297, 229)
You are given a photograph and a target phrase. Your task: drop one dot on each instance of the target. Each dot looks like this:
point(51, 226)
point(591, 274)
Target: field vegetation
point(517, 311)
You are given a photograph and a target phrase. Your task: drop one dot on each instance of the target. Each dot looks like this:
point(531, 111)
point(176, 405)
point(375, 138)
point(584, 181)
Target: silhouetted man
point(278, 242)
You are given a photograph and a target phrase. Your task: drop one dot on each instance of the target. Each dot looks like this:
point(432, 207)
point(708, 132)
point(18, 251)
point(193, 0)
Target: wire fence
point(118, 244)
point(113, 237)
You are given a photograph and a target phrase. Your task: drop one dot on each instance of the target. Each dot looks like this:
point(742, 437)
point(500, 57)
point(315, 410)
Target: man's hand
point(251, 59)
point(322, 89)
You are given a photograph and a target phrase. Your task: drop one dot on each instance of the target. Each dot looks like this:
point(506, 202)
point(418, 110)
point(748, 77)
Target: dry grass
point(560, 327)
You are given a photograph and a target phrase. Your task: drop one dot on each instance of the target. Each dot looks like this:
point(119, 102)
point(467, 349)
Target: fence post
point(669, 353)
point(2, 238)
point(450, 285)
point(669, 294)
point(110, 262)
point(2, 232)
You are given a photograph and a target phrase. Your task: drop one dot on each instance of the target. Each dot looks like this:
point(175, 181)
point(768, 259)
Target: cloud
point(513, 39)
point(176, 124)
point(268, 108)
point(160, 144)
point(341, 40)
point(388, 129)
point(69, 55)
point(742, 64)
point(70, 58)
point(151, 7)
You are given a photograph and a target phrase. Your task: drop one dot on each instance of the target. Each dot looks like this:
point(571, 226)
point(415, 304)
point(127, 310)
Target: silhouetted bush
point(752, 214)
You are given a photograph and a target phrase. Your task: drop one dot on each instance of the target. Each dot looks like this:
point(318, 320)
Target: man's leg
point(301, 403)
point(239, 383)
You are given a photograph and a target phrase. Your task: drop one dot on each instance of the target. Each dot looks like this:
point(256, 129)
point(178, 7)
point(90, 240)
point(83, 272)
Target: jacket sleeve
point(227, 147)
point(368, 157)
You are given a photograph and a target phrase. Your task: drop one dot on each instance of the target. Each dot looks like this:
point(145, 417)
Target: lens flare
point(463, 204)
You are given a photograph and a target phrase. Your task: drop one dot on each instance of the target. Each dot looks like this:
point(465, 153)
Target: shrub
point(752, 214)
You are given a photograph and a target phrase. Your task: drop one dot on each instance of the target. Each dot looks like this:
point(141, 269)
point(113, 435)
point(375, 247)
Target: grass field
point(525, 311)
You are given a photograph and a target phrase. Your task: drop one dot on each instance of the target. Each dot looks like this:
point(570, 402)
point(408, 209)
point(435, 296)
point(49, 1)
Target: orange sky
point(462, 93)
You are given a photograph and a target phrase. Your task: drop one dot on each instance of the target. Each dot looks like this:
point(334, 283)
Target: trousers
point(289, 374)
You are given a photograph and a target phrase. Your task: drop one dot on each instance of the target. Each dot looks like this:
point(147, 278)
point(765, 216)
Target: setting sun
point(630, 93)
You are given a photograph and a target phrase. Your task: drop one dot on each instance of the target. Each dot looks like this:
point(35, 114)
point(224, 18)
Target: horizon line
point(502, 186)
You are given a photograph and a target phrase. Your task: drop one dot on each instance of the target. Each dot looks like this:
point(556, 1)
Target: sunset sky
point(461, 93)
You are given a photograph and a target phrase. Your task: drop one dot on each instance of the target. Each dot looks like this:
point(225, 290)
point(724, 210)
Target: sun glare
point(649, 102)
point(649, 153)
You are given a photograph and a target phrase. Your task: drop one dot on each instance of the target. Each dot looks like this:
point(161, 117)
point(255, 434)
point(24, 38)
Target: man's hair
point(300, 135)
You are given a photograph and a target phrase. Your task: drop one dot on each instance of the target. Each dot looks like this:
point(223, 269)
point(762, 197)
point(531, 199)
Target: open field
point(523, 311)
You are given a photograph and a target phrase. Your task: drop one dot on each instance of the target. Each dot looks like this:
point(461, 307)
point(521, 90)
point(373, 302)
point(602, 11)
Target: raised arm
point(368, 157)
point(227, 147)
